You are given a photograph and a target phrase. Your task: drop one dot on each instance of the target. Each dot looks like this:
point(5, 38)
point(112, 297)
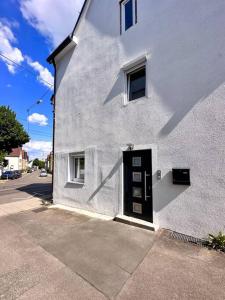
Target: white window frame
point(130, 67)
point(123, 14)
point(72, 168)
point(127, 81)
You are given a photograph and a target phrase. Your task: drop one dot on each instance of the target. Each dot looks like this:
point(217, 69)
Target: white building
point(14, 159)
point(140, 91)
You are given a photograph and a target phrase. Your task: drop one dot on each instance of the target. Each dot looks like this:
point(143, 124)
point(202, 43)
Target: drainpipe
point(53, 135)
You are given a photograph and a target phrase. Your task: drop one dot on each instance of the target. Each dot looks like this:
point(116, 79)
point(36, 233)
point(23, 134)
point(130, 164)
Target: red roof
point(15, 152)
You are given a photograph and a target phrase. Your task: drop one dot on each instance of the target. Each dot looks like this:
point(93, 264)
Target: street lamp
point(28, 112)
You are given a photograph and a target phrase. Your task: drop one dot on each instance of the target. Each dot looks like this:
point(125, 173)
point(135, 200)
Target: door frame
point(153, 148)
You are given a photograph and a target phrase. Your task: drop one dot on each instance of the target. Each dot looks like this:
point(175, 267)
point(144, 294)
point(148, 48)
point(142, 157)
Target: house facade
point(25, 160)
point(14, 159)
point(17, 159)
point(139, 113)
point(49, 162)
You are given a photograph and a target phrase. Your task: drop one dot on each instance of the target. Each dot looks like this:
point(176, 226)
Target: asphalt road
point(30, 185)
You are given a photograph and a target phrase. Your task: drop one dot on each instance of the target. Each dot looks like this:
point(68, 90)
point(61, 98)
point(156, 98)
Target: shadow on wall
point(61, 68)
point(73, 186)
point(166, 191)
point(107, 178)
point(116, 89)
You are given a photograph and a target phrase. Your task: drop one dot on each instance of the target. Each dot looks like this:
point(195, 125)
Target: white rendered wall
point(183, 115)
point(13, 163)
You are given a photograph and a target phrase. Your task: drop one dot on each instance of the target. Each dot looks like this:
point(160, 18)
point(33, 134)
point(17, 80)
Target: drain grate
point(38, 210)
point(187, 238)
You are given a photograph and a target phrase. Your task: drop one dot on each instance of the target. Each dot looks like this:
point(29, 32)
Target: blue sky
point(29, 31)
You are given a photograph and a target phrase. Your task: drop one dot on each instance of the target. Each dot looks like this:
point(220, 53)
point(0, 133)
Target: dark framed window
point(136, 83)
point(128, 14)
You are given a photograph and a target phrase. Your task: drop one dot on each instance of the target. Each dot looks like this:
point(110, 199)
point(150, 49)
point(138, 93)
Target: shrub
point(217, 241)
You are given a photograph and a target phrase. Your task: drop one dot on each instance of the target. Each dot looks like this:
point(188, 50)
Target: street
point(26, 187)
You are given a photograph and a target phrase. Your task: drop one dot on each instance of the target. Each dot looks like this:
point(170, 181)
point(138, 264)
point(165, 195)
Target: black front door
point(138, 184)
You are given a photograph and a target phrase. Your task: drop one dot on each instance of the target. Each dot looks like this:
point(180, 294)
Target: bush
point(217, 241)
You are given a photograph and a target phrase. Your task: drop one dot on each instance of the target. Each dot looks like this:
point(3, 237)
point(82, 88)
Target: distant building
point(17, 160)
point(49, 162)
point(25, 160)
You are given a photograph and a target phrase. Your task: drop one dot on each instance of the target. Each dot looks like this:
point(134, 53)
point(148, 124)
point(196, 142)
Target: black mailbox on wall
point(181, 176)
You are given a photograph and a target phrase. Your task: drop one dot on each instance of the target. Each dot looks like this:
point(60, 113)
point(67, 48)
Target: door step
point(136, 222)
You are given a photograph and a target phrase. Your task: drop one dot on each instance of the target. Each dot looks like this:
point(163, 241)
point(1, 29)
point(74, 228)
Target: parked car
point(43, 174)
point(9, 175)
point(29, 170)
point(18, 173)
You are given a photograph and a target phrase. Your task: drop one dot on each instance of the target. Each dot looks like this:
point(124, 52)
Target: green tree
point(36, 162)
point(12, 133)
point(39, 163)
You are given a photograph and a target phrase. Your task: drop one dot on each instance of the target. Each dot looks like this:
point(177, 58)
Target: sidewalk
point(57, 254)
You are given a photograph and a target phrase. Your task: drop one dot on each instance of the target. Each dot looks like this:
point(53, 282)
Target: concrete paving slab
point(47, 225)
point(103, 252)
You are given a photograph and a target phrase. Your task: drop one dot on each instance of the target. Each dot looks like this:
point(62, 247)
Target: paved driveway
point(56, 254)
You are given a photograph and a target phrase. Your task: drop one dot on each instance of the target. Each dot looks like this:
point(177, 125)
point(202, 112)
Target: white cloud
point(11, 23)
point(38, 149)
point(7, 48)
point(44, 76)
point(7, 40)
point(38, 119)
point(54, 19)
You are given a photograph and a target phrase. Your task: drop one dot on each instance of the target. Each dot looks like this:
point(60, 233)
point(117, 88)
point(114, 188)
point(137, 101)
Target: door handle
point(146, 197)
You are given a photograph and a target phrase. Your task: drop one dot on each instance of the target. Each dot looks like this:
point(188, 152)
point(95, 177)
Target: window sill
point(135, 101)
point(75, 182)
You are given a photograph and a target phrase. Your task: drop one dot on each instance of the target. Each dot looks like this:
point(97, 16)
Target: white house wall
point(13, 163)
point(183, 115)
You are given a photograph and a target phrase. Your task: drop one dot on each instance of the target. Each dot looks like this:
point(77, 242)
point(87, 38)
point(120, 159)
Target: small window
point(77, 167)
point(136, 84)
point(128, 7)
point(128, 14)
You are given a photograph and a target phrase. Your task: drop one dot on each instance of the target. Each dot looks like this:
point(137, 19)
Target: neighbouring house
point(17, 160)
point(139, 113)
point(25, 160)
point(49, 162)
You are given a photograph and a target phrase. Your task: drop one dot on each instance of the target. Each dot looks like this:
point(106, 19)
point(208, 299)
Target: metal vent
point(187, 238)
